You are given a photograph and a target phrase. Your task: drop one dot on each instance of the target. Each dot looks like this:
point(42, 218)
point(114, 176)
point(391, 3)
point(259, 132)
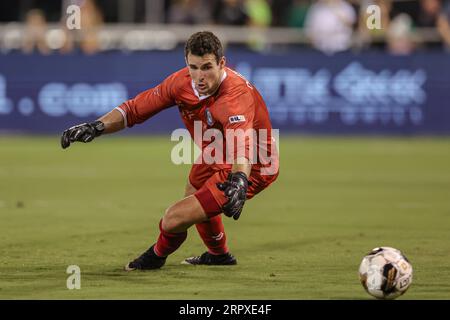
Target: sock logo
point(218, 237)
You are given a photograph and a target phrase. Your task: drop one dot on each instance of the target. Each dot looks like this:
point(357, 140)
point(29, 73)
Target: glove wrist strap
point(99, 127)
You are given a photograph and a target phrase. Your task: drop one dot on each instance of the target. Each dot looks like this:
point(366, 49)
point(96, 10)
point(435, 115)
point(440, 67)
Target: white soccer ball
point(385, 273)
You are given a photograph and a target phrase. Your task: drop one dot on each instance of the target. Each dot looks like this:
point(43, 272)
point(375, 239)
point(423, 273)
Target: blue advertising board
point(305, 91)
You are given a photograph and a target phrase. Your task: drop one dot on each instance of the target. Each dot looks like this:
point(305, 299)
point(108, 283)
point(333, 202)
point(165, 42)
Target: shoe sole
point(185, 262)
point(127, 268)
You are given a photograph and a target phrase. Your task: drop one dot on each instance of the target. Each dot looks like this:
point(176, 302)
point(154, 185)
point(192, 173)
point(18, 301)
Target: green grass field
point(98, 206)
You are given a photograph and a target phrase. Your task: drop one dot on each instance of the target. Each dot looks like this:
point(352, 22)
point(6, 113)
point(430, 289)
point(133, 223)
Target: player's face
point(206, 72)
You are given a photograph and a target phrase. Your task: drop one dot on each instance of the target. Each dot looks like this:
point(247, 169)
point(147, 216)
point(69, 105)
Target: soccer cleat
point(147, 261)
point(211, 260)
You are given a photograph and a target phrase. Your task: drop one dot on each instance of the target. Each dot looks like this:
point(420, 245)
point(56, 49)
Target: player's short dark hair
point(204, 42)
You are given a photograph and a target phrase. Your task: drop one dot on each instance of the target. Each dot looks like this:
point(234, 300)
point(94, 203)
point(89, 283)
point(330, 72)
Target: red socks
point(213, 235)
point(168, 242)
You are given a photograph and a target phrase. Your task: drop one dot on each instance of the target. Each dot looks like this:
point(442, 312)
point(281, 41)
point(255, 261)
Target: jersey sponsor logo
point(209, 119)
point(236, 119)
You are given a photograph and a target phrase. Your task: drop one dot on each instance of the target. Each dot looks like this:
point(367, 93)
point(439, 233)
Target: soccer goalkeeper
point(206, 92)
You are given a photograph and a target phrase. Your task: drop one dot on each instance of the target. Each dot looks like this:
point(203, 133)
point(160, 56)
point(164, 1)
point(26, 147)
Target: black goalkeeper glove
point(85, 132)
point(235, 189)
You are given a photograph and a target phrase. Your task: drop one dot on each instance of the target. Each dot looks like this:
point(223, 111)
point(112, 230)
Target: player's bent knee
point(170, 221)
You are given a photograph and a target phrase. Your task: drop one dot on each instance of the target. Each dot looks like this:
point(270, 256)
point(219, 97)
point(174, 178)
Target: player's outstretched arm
point(86, 132)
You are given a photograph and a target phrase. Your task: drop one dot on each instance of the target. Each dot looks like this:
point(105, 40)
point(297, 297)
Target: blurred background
point(319, 66)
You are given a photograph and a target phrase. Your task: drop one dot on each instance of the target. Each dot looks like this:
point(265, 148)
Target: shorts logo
point(209, 118)
point(236, 119)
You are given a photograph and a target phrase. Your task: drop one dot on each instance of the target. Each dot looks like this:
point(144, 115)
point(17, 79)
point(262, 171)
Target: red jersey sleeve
point(148, 103)
point(236, 113)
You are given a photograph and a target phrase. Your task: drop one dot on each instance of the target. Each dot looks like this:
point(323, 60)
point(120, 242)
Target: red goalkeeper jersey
point(235, 105)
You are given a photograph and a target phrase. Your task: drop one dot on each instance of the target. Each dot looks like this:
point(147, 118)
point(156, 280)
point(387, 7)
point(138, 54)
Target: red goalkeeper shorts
point(204, 178)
